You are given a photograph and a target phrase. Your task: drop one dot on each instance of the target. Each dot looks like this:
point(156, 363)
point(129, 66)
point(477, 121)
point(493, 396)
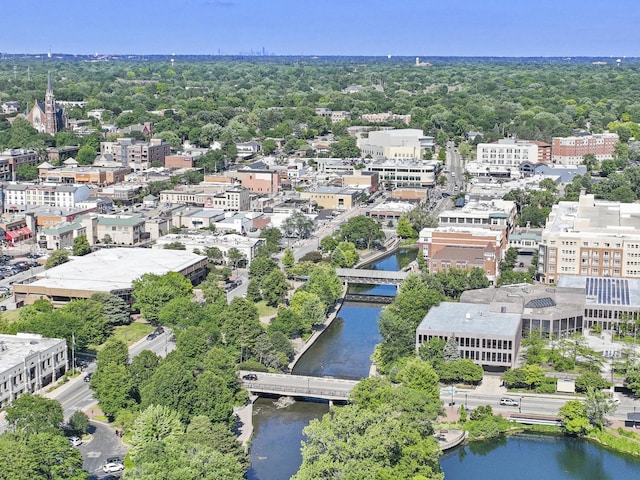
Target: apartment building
point(590, 237)
point(135, 154)
point(386, 117)
point(20, 196)
point(12, 159)
point(571, 150)
point(503, 158)
point(29, 362)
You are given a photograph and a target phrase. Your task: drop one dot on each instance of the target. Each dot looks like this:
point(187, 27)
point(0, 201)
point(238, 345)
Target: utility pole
point(73, 353)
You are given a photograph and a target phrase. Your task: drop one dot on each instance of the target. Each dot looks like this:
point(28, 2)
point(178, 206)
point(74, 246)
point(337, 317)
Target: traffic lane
point(160, 345)
point(104, 444)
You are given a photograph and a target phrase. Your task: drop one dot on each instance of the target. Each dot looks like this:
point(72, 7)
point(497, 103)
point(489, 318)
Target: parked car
point(152, 335)
point(510, 402)
point(114, 460)
point(75, 441)
point(112, 467)
point(250, 376)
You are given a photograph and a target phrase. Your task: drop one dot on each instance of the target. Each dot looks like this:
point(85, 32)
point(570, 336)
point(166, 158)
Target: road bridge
point(363, 297)
point(326, 388)
point(371, 277)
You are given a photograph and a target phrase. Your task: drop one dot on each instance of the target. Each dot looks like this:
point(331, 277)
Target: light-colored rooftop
point(114, 268)
point(594, 216)
point(469, 318)
point(13, 348)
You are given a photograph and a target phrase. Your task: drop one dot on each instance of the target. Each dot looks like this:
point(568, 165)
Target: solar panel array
point(541, 303)
point(608, 291)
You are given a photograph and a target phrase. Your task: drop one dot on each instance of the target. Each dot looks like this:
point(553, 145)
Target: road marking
point(94, 454)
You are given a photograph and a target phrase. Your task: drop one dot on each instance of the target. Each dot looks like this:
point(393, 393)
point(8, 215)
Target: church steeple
point(50, 118)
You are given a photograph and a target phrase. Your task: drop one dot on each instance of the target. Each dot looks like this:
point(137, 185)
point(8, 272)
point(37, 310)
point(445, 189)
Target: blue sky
point(324, 27)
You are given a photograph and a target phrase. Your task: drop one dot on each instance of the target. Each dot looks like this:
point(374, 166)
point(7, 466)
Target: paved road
point(103, 444)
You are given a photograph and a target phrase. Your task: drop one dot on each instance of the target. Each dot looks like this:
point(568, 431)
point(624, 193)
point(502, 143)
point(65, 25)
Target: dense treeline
point(220, 100)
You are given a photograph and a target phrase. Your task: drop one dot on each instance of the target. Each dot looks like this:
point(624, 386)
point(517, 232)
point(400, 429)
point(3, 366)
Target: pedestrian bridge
point(326, 388)
point(371, 277)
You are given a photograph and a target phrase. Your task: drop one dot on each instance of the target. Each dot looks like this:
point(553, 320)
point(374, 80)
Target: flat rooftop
point(114, 268)
point(13, 348)
point(469, 318)
point(605, 290)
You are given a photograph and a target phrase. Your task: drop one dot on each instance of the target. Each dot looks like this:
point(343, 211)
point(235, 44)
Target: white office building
point(29, 362)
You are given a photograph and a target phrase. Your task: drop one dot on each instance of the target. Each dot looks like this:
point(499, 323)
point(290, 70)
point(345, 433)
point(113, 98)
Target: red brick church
point(48, 117)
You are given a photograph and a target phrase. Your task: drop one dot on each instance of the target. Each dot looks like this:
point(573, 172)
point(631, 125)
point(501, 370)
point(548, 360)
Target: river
point(344, 350)
point(534, 457)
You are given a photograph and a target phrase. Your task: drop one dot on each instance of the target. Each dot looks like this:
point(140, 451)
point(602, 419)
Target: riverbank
point(333, 313)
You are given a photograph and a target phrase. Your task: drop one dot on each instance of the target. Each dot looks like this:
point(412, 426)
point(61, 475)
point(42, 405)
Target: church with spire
point(48, 117)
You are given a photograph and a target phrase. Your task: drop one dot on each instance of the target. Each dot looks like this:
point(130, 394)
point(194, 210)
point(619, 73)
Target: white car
point(75, 441)
point(509, 402)
point(112, 467)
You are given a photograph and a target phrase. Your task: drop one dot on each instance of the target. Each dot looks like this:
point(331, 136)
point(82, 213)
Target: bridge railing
point(295, 390)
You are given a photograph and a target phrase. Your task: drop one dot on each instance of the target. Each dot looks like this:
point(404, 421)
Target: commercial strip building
point(405, 173)
point(72, 173)
point(334, 198)
point(29, 362)
point(571, 150)
point(491, 215)
point(590, 237)
point(110, 270)
point(223, 196)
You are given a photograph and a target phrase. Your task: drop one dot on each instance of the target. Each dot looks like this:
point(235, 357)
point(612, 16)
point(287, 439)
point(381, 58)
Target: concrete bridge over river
point(326, 388)
point(371, 277)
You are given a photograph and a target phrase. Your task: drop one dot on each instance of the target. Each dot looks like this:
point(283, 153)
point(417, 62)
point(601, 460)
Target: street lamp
point(466, 403)
point(520, 406)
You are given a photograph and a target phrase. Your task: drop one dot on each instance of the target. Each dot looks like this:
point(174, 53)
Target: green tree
point(451, 350)
point(360, 443)
point(57, 257)
point(26, 173)
point(275, 287)
point(362, 231)
point(297, 225)
point(325, 283)
point(155, 423)
point(30, 414)
point(152, 291)
point(405, 229)
point(597, 405)
point(421, 376)
point(175, 246)
point(81, 246)
point(574, 417)
point(79, 422)
point(288, 259)
point(86, 155)
point(591, 380)
point(345, 148)
point(114, 308)
point(113, 388)
point(309, 308)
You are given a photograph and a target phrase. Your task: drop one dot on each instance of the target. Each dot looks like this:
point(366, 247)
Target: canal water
point(534, 457)
point(344, 350)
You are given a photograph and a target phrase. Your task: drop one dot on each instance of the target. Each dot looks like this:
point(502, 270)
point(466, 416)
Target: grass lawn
point(265, 310)
point(11, 315)
point(131, 333)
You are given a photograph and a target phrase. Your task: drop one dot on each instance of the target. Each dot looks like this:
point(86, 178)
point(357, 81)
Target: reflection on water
point(534, 457)
point(275, 447)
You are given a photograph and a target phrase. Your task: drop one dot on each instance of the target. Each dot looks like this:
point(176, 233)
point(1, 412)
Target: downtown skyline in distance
point(499, 28)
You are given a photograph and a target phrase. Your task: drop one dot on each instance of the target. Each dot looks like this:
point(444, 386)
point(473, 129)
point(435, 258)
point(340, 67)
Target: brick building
point(571, 150)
